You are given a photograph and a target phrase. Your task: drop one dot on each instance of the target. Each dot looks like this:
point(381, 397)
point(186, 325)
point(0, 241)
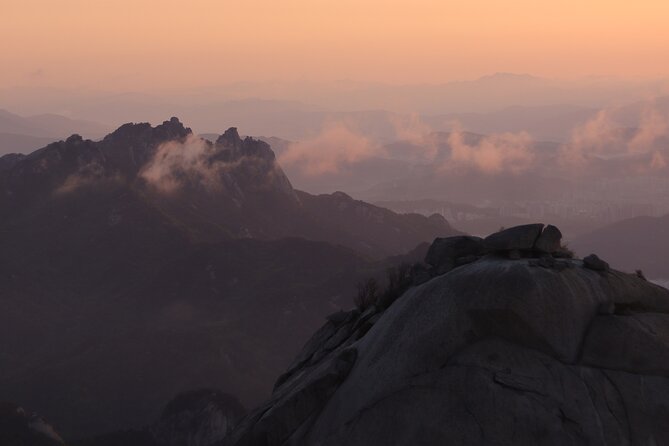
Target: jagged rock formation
point(507, 351)
point(10, 160)
point(21, 428)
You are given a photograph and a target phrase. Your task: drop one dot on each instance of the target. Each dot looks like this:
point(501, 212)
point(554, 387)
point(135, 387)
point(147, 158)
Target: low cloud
point(412, 129)
point(87, 175)
point(176, 163)
point(603, 137)
point(493, 154)
point(334, 148)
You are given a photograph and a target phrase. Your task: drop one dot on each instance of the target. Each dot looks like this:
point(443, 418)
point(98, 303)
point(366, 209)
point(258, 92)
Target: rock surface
point(595, 263)
point(518, 237)
point(549, 240)
point(444, 253)
point(497, 351)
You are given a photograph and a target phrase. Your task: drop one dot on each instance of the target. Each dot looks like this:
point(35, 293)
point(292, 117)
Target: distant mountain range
point(153, 262)
point(27, 133)
point(546, 108)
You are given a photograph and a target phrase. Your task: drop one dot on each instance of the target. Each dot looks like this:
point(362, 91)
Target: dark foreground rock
point(497, 351)
point(549, 241)
point(595, 263)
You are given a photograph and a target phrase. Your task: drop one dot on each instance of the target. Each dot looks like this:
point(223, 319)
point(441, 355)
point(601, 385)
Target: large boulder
point(494, 352)
point(549, 241)
point(444, 253)
point(521, 238)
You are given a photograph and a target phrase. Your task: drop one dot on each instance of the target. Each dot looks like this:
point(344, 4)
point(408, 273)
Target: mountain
point(488, 93)
point(506, 341)
point(153, 262)
point(16, 143)
point(27, 133)
point(635, 243)
point(49, 125)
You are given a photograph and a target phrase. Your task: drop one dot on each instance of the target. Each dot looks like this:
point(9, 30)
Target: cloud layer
point(176, 163)
point(604, 138)
point(335, 147)
point(493, 154)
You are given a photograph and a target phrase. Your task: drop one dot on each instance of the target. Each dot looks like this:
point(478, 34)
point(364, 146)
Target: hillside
point(153, 262)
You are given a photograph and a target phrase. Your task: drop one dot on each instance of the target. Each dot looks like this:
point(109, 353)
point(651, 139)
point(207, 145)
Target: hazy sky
point(144, 43)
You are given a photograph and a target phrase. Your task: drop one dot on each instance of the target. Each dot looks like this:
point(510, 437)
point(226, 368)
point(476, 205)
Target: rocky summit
point(523, 349)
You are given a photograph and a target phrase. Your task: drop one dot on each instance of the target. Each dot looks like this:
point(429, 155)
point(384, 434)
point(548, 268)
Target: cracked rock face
point(496, 351)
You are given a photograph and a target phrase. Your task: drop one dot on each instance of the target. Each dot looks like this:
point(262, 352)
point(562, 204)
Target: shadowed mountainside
point(153, 262)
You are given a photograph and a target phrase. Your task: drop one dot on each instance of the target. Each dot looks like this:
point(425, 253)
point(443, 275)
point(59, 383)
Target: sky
point(144, 44)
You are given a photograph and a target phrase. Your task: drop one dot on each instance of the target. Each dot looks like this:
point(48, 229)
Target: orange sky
point(144, 44)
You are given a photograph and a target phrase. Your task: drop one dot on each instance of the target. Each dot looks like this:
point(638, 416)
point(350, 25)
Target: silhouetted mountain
point(636, 243)
point(48, 125)
point(289, 107)
point(153, 262)
point(14, 143)
point(506, 341)
point(8, 161)
point(24, 134)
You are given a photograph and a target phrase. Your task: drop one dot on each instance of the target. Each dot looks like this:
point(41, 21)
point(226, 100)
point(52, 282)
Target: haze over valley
point(363, 223)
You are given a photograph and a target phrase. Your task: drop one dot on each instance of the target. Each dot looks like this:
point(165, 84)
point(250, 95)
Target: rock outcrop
point(446, 253)
point(521, 238)
point(595, 263)
point(536, 350)
point(549, 240)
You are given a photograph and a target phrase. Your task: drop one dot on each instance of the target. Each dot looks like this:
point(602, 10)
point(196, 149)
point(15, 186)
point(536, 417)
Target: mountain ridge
point(153, 262)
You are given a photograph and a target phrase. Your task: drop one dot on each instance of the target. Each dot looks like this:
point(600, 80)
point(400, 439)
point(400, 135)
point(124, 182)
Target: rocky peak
point(74, 139)
point(10, 160)
point(503, 340)
point(247, 147)
point(144, 133)
point(230, 138)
